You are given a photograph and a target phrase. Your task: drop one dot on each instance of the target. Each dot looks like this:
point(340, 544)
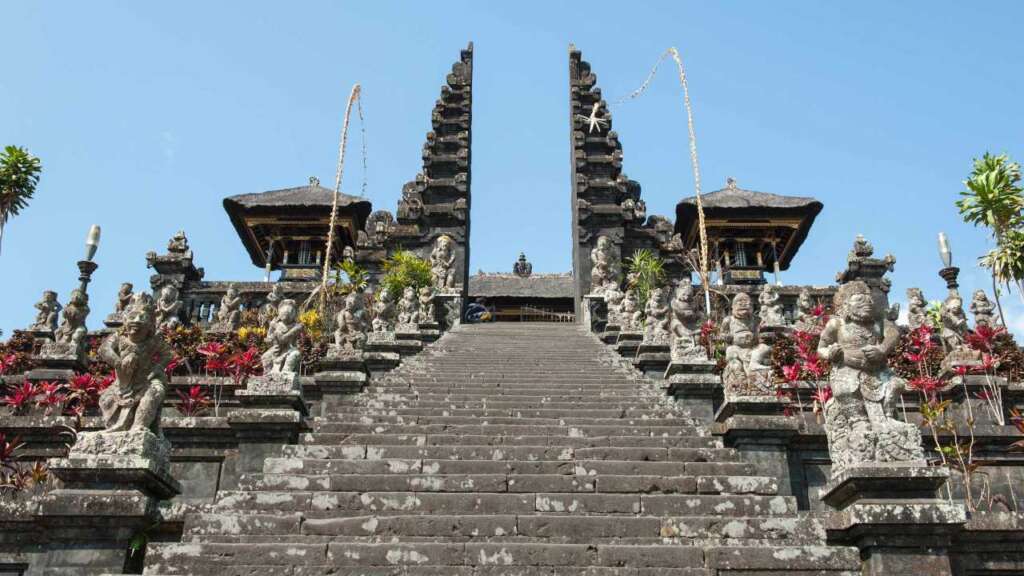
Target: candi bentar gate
point(597, 427)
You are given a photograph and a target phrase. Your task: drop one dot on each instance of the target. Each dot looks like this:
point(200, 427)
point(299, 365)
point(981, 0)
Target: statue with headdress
point(442, 263)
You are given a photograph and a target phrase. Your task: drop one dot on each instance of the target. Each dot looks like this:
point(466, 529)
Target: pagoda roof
point(487, 285)
point(733, 206)
point(303, 208)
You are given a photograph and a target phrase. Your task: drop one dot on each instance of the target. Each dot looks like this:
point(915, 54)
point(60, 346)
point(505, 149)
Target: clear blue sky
point(146, 115)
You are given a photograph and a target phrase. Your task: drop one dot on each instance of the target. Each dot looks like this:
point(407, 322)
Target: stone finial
point(730, 183)
point(522, 267)
point(314, 182)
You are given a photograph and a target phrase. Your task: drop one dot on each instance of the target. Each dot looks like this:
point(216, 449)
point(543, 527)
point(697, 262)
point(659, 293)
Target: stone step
point(485, 452)
point(509, 405)
point(568, 441)
point(353, 412)
point(513, 420)
point(549, 527)
point(327, 503)
point(497, 483)
point(697, 434)
point(581, 467)
point(495, 558)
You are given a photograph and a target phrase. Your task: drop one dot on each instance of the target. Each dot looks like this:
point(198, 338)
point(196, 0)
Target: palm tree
point(19, 175)
point(994, 199)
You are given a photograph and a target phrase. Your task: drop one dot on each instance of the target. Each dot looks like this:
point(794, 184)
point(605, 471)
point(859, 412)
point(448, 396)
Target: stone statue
point(351, 321)
point(70, 337)
point(283, 355)
point(49, 311)
point(348, 254)
point(613, 297)
point(178, 244)
point(139, 355)
point(229, 314)
point(917, 308)
point(658, 318)
point(806, 321)
point(858, 421)
point(168, 308)
point(408, 311)
point(686, 324)
point(631, 315)
point(603, 266)
point(953, 333)
point(522, 268)
point(983, 310)
point(770, 313)
point(741, 339)
point(426, 308)
point(442, 264)
point(269, 310)
point(383, 312)
point(124, 298)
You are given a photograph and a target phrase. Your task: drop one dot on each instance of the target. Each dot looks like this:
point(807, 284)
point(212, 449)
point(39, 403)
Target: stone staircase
point(506, 449)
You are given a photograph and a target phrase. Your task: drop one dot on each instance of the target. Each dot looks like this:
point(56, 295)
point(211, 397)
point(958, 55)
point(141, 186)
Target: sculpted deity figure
point(124, 297)
point(613, 297)
point(139, 356)
point(658, 318)
point(686, 322)
point(426, 308)
point(269, 309)
point(383, 312)
point(954, 322)
point(49, 311)
point(604, 266)
point(631, 315)
point(983, 310)
point(352, 324)
point(522, 268)
point(741, 339)
point(408, 310)
point(442, 264)
point(771, 307)
point(229, 315)
point(858, 419)
point(917, 308)
point(179, 243)
point(71, 334)
point(168, 308)
point(283, 355)
point(805, 319)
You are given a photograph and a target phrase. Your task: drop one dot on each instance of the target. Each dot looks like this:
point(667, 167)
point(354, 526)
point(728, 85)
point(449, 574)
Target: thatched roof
point(302, 196)
point(509, 285)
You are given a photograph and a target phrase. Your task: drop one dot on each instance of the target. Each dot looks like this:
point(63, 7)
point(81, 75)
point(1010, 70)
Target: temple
point(632, 417)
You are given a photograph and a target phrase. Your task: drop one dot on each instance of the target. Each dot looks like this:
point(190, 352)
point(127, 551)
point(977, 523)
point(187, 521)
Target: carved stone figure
point(805, 318)
point(49, 311)
point(168, 308)
point(858, 418)
point(522, 268)
point(442, 264)
point(229, 315)
point(686, 323)
point(631, 315)
point(348, 254)
point(613, 297)
point(283, 355)
point(269, 310)
point(917, 308)
point(953, 333)
point(383, 312)
point(124, 297)
point(983, 309)
point(770, 313)
point(408, 309)
point(604, 266)
point(139, 356)
point(70, 338)
point(741, 339)
point(178, 244)
point(352, 325)
point(426, 306)
point(658, 318)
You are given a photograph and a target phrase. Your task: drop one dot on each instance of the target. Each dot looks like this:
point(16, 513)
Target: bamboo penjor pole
point(337, 193)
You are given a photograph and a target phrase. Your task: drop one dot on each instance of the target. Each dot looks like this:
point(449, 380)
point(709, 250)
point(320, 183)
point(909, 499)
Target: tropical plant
point(19, 175)
point(349, 276)
point(994, 199)
point(404, 269)
point(194, 402)
point(645, 272)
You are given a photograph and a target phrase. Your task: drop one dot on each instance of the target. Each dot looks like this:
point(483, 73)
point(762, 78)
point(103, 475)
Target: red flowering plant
point(795, 363)
point(194, 402)
point(15, 476)
point(16, 354)
point(83, 392)
point(20, 398)
point(50, 396)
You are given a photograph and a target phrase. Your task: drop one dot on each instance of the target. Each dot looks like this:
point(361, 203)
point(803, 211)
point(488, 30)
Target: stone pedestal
point(449, 309)
point(652, 358)
point(279, 390)
point(595, 312)
point(272, 414)
point(610, 334)
point(341, 373)
point(890, 511)
point(428, 331)
point(56, 361)
point(757, 427)
point(382, 352)
point(109, 490)
point(114, 320)
point(628, 343)
point(408, 338)
point(694, 385)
